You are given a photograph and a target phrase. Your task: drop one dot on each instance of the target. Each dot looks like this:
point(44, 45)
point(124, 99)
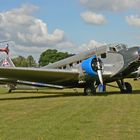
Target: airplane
point(91, 69)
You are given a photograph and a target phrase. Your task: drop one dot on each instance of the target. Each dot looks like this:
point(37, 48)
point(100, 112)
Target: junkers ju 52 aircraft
point(89, 70)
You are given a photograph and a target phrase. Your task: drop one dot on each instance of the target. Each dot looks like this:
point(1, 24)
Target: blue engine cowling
point(90, 67)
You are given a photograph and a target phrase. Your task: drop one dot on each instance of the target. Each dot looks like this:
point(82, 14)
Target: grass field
point(67, 115)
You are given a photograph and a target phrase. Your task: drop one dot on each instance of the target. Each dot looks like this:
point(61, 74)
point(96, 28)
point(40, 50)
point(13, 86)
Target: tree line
point(46, 57)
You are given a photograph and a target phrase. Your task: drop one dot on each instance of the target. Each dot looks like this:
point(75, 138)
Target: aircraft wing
point(49, 76)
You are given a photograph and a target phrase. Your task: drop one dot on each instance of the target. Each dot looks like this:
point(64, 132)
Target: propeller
point(97, 66)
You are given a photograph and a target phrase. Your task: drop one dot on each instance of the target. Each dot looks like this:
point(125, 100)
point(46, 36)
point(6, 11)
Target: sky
point(34, 26)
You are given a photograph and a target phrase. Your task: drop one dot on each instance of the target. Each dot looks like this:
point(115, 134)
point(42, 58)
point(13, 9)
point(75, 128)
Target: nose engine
point(93, 68)
point(96, 64)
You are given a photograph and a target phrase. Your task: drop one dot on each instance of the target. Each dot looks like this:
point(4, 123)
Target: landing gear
point(128, 88)
point(90, 89)
point(10, 90)
point(11, 87)
point(125, 87)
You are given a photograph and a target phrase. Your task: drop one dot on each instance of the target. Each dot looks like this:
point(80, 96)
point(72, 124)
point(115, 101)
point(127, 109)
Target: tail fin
point(7, 62)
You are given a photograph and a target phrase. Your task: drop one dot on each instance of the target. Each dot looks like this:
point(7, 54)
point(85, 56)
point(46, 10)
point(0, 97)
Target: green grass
point(66, 115)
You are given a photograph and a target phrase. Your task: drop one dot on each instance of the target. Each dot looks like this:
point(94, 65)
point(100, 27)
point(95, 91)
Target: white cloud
point(133, 20)
point(111, 5)
point(66, 46)
point(27, 31)
point(93, 18)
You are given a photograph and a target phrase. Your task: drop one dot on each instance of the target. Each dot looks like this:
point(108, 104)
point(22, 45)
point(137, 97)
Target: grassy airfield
point(67, 115)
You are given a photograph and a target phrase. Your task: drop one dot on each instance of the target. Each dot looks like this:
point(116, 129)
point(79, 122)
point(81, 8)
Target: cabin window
point(103, 55)
point(78, 62)
point(64, 67)
point(112, 49)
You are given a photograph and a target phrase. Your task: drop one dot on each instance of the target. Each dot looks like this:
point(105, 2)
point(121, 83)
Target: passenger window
point(64, 67)
point(103, 55)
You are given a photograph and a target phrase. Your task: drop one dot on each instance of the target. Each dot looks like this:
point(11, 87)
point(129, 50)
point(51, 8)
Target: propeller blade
point(99, 71)
point(100, 76)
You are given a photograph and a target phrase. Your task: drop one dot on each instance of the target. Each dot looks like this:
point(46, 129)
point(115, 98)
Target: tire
point(128, 88)
point(89, 91)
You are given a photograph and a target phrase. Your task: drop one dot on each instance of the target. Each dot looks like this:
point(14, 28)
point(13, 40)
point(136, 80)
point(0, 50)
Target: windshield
point(117, 47)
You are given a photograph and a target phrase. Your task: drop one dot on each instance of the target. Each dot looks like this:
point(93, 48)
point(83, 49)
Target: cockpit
point(116, 47)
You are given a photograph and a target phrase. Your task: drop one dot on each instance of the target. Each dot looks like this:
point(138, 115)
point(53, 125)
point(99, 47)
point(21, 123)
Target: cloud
point(93, 18)
point(111, 5)
point(27, 31)
point(133, 20)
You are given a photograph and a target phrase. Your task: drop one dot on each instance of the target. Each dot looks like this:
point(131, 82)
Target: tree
point(21, 61)
point(30, 61)
point(51, 56)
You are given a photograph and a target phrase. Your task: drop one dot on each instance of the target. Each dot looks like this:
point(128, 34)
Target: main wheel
point(128, 88)
point(89, 90)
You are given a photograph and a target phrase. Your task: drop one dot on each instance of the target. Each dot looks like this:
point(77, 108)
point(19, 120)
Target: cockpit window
point(120, 47)
point(112, 49)
point(117, 47)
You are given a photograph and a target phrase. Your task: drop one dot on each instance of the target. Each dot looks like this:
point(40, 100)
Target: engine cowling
point(90, 66)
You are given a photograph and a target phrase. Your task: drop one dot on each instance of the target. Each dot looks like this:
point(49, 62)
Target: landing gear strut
point(125, 87)
point(90, 89)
